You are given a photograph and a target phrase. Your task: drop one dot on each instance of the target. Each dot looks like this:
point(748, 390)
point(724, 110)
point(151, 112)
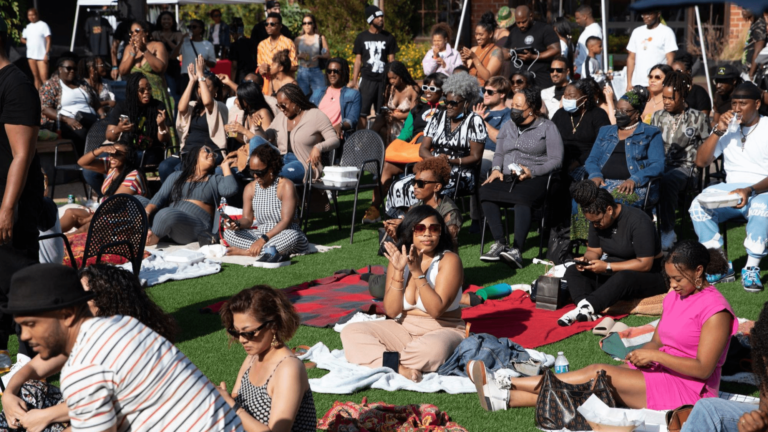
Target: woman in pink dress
point(677, 367)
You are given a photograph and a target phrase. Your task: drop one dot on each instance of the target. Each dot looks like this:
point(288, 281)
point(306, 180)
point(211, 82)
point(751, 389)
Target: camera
point(515, 168)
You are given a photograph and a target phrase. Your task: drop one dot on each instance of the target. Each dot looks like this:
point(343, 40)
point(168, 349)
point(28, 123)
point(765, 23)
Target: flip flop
point(618, 327)
point(604, 327)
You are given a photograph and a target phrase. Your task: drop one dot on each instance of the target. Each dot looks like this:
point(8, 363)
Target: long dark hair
point(159, 21)
point(295, 95)
point(252, 99)
point(401, 70)
point(197, 110)
point(130, 163)
point(414, 217)
point(188, 170)
point(136, 111)
point(119, 292)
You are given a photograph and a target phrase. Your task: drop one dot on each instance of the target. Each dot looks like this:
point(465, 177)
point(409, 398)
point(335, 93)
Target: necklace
point(577, 124)
point(630, 127)
point(654, 102)
point(676, 120)
point(744, 137)
point(449, 132)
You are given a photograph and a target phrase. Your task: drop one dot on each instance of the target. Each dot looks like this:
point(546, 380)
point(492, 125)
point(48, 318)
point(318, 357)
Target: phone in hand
point(582, 263)
point(125, 118)
point(226, 220)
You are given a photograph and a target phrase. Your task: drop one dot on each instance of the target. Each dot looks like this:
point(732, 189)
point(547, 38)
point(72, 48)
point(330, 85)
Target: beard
point(379, 27)
point(54, 343)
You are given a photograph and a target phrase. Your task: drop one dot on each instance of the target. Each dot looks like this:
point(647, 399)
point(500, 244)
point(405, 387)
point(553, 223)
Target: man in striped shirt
point(119, 375)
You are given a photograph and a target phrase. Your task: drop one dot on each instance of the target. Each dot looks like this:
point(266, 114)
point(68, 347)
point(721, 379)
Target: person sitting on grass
point(680, 365)
point(424, 279)
point(272, 389)
point(270, 203)
point(36, 405)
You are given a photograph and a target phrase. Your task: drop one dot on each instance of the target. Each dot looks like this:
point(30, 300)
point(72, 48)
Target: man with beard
point(373, 49)
point(259, 31)
point(118, 372)
point(648, 46)
point(535, 44)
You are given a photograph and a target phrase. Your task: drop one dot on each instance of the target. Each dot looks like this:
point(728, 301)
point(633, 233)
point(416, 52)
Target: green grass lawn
point(204, 341)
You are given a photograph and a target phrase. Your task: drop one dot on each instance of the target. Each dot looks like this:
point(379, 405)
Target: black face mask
point(622, 119)
point(516, 115)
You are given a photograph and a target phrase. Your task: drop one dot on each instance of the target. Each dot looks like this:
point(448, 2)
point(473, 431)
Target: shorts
point(371, 93)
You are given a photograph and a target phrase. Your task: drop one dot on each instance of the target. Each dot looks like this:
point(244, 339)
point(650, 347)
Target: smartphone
point(226, 220)
point(125, 117)
point(581, 263)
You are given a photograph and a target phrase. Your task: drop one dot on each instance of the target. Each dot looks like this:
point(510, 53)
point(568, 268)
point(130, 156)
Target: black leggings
point(523, 214)
point(603, 290)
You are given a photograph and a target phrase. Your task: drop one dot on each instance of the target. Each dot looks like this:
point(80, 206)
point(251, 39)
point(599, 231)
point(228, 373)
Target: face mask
point(622, 119)
point(516, 115)
point(570, 105)
point(459, 117)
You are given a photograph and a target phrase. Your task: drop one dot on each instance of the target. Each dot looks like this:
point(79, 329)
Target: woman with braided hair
point(680, 365)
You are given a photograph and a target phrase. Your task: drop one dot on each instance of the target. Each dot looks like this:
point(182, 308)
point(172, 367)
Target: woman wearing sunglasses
point(340, 103)
point(269, 203)
point(272, 391)
point(655, 86)
point(311, 47)
point(424, 279)
point(519, 80)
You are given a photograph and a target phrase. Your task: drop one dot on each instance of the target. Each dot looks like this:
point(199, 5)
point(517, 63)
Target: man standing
point(558, 72)
point(117, 373)
point(259, 31)
point(275, 43)
point(21, 180)
point(755, 42)
point(585, 19)
point(218, 34)
point(373, 49)
point(535, 44)
point(648, 46)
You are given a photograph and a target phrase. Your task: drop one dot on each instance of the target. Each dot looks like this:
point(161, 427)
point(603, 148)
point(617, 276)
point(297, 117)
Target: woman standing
point(280, 71)
point(37, 37)
point(171, 38)
point(533, 143)
point(150, 58)
point(484, 59)
point(563, 30)
point(92, 69)
point(311, 48)
point(655, 86)
point(441, 58)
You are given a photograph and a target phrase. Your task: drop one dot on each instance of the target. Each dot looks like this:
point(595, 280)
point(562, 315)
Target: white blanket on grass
point(239, 260)
point(346, 378)
point(156, 270)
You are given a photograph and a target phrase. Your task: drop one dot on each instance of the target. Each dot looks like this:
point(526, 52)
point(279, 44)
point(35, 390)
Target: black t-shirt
point(631, 236)
point(615, 167)
point(538, 37)
point(98, 30)
point(241, 52)
point(559, 91)
point(259, 33)
point(129, 138)
point(698, 99)
point(722, 105)
point(578, 145)
point(20, 105)
point(375, 50)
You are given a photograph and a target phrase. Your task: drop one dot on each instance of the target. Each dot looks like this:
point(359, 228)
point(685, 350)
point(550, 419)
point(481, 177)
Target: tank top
point(267, 208)
point(431, 274)
point(313, 50)
point(258, 403)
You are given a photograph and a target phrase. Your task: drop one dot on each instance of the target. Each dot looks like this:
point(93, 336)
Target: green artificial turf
point(204, 341)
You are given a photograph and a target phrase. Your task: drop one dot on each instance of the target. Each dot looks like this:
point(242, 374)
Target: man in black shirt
point(535, 45)
point(726, 78)
point(243, 61)
point(373, 49)
point(259, 31)
point(21, 180)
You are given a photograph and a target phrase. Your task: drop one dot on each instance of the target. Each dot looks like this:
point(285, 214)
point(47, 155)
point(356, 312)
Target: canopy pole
point(604, 14)
point(561, 8)
point(461, 23)
point(703, 52)
point(74, 28)
point(177, 12)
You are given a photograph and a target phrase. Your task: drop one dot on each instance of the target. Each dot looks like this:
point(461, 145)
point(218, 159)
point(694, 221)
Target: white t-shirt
point(203, 48)
point(215, 33)
point(747, 165)
point(563, 48)
point(35, 34)
point(650, 48)
point(581, 47)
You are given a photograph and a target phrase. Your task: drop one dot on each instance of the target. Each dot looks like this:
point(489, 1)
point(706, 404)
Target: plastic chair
point(363, 150)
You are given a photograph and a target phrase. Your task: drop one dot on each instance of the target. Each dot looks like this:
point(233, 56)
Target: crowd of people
point(524, 120)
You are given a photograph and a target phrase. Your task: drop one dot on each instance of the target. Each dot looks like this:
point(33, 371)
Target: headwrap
point(637, 97)
point(747, 90)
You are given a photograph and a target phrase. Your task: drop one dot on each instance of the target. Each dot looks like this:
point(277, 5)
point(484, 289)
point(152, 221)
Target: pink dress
point(679, 331)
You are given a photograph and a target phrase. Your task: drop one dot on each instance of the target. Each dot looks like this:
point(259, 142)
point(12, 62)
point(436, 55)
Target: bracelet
point(718, 132)
point(398, 280)
point(114, 67)
point(133, 54)
point(397, 289)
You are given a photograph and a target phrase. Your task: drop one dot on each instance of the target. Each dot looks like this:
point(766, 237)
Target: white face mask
point(571, 105)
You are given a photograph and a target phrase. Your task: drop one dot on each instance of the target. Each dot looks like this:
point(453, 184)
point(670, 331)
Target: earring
point(699, 283)
point(275, 343)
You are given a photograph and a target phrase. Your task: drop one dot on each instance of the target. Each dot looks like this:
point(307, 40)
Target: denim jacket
point(350, 104)
point(495, 353)
point(645, 153)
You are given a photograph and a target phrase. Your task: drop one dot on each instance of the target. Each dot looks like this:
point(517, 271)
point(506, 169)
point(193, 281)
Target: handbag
point(400, 151)
point(557, 402)
point(677, 417)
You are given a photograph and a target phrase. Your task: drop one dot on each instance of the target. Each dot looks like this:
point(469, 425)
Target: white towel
point(155, 270)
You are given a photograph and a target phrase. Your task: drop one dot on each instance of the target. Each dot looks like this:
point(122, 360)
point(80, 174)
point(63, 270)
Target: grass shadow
point(194, 324)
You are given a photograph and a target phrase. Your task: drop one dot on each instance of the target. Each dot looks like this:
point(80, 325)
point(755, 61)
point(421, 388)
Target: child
point(591, 67)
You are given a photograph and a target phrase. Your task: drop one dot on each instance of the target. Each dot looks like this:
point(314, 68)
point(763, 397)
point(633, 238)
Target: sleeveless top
point(313, 50)
point(258, 403)
point(431, 274)
point(485, 58)
point(267, 208)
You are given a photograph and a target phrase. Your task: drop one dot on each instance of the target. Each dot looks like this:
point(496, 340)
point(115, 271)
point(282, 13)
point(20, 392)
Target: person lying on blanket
point(269, 202)
point(720, 415)
point(424, 279)
point(272, 389)
point(679, 366)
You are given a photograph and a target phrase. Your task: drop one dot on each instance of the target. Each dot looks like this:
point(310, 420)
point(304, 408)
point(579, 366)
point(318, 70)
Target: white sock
point(753, 262)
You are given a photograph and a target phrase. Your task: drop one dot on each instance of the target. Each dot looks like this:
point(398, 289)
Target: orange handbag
point(400, 151)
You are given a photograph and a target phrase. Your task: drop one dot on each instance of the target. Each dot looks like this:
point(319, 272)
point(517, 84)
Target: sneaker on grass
point(512, 256)
point(493, 391)
point(750, 279)
point(494, 254)
point(371, 215)
point(728, 276)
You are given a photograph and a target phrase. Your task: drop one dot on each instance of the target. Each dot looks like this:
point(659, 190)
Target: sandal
point(604, 327)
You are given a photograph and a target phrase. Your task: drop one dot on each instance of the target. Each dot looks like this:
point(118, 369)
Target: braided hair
point(399, 69)
point(680, 83)
point(136, 111)
point(586, 87)
point(690, 254)
point(294, 94)
point(759, 341)
point(592, 199)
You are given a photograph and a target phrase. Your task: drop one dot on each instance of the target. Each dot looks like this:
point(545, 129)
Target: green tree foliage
point(251, 13)
point(9, 11)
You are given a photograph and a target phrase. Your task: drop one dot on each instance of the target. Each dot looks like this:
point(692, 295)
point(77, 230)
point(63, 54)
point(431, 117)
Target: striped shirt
point(122, 373)
point(132, 181)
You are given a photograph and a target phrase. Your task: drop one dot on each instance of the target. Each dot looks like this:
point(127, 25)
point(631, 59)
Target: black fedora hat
point(44, 288)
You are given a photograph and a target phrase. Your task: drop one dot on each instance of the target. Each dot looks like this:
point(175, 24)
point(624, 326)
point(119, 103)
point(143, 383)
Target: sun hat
point(43, 288)
point(505, 17)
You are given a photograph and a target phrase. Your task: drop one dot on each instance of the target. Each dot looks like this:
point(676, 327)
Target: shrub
point(9, 11)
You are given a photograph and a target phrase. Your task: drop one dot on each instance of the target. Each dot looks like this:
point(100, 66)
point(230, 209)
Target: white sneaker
point(493, 392)
point(21, 360)
point(569, 318)
point(668, 239)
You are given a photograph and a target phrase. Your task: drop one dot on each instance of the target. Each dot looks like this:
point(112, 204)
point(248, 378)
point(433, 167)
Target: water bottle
point(494, 292)
point(561, 364)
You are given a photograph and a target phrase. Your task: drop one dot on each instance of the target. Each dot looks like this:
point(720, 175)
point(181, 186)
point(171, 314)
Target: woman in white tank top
point(424, 280)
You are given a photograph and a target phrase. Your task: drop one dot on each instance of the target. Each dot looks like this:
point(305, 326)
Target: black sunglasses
point(251, 335)
point(137, 31)
point(333, 71)
point(216, 16)
point(421, 183)
point(282, 107)
point(489, 92)
point(68, 68)
point(556, 70)
point(192, 27)
point(518, 82)
point(272, 24)
point(260, 173)
point(308, 23)
point(452, 103)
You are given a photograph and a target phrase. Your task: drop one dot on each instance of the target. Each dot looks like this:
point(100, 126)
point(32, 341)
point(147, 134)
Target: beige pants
point(424, 343)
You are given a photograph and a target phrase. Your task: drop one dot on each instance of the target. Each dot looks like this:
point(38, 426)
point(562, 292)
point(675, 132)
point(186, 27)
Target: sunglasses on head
point(307, 23)
point(490, 92)
point(452, 103)
point(518, 81)
point(68, 68)
point(556, 70)
point(333, 71)
point(250, 335)
point(272, 24)
point(430, 88)
point(421, 183)
point(260, 173)
point(421, 228)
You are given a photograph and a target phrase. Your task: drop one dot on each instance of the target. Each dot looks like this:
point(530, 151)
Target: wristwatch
point(201, 79)
point(422, 277)
point(608, 268)
point(717, 131)
point(265, 238)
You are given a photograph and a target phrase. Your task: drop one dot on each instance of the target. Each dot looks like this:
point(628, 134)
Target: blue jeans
point(310, 80)
point(168, 166)
point(716, 415)
point(293, 169)
point(705, 221)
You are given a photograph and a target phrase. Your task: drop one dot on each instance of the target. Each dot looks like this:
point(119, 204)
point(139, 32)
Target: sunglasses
point(282, 107)
point(421, 183)
point(251, 335)
point(556, 70)
point(260, 173)
point(333, 71)
point(207, 150)
point(627, 112)
point(307, 23)
point(216, 16)
point(68, 68)
point(453, 103)
point(138, 30)
point(490, 92)
point(192, 27)
point(421, 228)
point(272, 24)
point(430, 88)
point(145, 89)
point(518, 82)
point(656, 77)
